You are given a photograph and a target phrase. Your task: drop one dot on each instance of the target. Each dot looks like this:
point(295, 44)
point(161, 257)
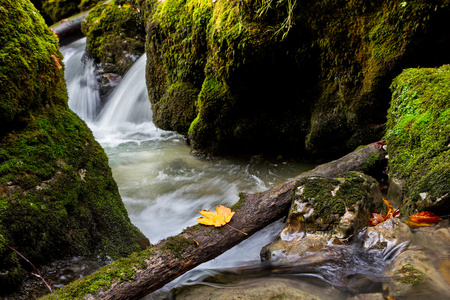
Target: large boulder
point(323, 211)
point(57, 194)
point(418, 139)
point(280, 76)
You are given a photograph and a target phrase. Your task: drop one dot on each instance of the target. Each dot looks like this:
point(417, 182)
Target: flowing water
point(162, 185)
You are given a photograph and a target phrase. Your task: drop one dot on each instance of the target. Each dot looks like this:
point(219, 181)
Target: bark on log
point(70, 30)
point(256, 212)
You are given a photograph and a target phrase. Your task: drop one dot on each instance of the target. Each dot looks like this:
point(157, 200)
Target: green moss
point(308, 77)
point(410, 275)
point(418, 136)
point(119, 271)
point(57, 194)
point(331, 197)
point(176, 245)
point(238, 205)
point(115, 35)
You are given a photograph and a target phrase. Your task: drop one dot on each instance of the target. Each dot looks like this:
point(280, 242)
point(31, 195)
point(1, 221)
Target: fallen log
point(145, 272)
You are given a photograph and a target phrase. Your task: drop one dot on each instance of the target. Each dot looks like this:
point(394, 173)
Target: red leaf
point(425, 217)
point(375, 219)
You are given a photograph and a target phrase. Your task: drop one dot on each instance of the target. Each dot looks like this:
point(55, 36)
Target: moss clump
point(418, 137)
point(327, 199)
point(279, 75)
point(176, 245)
point(119, 271)
point(57, 194)
point(410, 275)
point(238, 205)
point(115, 35)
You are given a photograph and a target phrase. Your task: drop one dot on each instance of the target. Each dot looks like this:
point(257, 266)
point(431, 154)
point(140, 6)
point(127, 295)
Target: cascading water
point(84, 97)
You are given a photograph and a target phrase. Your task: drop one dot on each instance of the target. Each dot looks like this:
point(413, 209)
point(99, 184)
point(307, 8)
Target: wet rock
point(418, 138)
point(422, 269)
point(387, 235)
point(324, 210)
point(256, 289)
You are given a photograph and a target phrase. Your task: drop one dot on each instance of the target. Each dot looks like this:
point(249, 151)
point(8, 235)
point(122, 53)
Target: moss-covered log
point(285, 76)
point(57, 194)
point(139, 275)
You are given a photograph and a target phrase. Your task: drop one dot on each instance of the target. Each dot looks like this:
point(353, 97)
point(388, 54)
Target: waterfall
point(129, 101)
point(84, 96)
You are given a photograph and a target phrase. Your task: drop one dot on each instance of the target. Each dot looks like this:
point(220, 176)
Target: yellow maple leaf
point(219, 218)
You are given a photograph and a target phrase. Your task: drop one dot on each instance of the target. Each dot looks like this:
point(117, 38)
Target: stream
point(162, 185)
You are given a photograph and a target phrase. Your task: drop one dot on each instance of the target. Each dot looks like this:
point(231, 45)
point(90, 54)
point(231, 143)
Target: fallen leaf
point(127, 5)
point(219, 218)
point(414, 224)
point(222, 216)
point(375, 219)
point(57, 61)
point(425, 217)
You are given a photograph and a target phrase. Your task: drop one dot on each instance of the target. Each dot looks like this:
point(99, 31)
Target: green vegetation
point(176, 245)
point(330, 198)
point(282, 75)
point(410, 275)
point(418, 136)
point(57, 194)
point(115, 35)
point(119, 271)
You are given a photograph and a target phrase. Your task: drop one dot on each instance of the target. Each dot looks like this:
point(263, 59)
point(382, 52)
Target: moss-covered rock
point(323, 210)
point(418, 137)
point(282, 75)
point(115, 35)
point(57, 194)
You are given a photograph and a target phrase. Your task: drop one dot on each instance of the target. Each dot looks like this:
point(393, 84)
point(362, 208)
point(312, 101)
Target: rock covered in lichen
point(418, 138)
point(323, 211)
point(57, 194)
point(242, 76)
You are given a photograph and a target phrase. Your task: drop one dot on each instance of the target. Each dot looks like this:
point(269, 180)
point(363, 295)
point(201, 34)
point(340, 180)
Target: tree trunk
point(179, 254)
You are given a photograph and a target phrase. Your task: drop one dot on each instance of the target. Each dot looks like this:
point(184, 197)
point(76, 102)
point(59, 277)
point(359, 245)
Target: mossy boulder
point(115, 35)
point(324, 210)
point(281, 76)
point(57, 194)
point(418, 138)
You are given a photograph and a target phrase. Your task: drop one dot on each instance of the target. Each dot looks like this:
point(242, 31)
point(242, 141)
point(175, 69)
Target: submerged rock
point(57, 195)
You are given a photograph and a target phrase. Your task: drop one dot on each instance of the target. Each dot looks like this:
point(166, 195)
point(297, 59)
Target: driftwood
point(69, 30)
point(256, 212)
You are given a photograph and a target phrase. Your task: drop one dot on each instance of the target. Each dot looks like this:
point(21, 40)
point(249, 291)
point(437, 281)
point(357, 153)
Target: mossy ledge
point(57, 194)
point(418, 137)
point(309, 78)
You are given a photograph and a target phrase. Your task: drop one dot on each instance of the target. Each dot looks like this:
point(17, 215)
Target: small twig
point(236, 229)
point(37, 274)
